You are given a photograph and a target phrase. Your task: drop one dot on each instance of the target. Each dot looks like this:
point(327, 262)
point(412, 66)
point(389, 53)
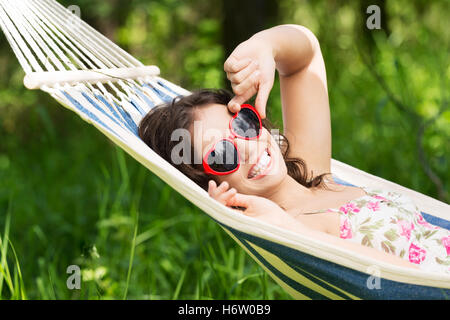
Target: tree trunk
point(242, 19)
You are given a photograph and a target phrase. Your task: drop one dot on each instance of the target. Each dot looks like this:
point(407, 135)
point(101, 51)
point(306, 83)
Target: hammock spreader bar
point(36, 80)
point(46, 37)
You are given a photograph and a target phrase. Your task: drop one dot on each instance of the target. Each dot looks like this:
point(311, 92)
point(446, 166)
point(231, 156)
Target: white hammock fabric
point(47, 38)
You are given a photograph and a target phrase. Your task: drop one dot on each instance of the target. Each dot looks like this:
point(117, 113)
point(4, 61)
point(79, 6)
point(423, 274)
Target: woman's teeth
point(261, 166)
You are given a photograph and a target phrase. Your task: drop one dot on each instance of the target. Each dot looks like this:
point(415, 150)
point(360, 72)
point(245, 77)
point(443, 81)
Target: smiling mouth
point(261, 166)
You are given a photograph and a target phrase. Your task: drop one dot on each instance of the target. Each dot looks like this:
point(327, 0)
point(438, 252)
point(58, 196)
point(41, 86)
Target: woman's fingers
point(222, 187)
point(242, 200)
point(263, 95)
point(228, 195)
point(238, 77)
point(232, 64)
point(215, 191)
point(244, 91)
point(211, 187)
point(249, 84)
point(221, 193)
point(234, 106)
point(248, 89)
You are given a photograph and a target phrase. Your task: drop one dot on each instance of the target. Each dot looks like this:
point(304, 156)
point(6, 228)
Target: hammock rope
point(48, 40)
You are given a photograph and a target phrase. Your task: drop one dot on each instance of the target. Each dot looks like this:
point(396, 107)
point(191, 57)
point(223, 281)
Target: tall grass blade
point(132, 251)
point(5, 275)
point(179, 285)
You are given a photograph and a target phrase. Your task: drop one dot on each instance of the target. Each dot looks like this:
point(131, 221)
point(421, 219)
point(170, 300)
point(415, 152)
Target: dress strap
point(367, 191)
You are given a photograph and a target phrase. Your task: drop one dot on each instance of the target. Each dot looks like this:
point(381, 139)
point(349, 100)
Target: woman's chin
point(264, 183)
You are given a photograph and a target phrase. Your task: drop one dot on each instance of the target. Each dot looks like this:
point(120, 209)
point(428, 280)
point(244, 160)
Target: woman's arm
point(293, 48)
point(296, 226)
point(295, 52)
point(268, 211)
point(304, 95)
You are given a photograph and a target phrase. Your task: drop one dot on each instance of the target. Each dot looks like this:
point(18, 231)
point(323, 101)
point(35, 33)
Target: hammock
point(110, 89)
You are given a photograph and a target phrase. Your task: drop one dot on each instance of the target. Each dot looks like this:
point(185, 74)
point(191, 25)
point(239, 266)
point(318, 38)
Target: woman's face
point(262, 166)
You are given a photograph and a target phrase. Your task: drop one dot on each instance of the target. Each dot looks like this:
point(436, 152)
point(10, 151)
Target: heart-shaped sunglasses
point(223, 158)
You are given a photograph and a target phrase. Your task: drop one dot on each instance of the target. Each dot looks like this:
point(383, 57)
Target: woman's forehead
point(214, 114)
point(212, 120)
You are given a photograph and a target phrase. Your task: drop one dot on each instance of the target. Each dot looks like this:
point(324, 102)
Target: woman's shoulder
point(378, 193)
point(393, 197)
point(334, 182)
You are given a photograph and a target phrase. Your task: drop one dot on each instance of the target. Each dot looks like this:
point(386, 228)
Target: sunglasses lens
point(224, 157)
point(246, 124)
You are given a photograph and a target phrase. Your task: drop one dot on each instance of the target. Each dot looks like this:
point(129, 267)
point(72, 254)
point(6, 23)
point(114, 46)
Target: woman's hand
point(251, 70)
point(257, 207)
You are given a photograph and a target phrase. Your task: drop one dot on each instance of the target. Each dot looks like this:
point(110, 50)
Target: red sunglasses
point(224, 157)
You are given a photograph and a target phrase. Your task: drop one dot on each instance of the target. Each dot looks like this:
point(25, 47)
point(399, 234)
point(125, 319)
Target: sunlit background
point(69, 196)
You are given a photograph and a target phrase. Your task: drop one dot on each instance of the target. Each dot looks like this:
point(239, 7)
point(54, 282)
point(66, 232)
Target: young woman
point(288, 184)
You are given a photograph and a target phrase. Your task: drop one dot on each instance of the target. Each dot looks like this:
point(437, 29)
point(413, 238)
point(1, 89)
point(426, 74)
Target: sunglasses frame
point(233, 135)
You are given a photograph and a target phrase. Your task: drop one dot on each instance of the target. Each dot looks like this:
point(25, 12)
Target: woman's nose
point(230, 134)
point(248, 150)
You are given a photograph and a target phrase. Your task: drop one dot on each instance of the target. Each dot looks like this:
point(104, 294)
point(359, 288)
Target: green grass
point(68, 196)
point(13, 282)
point(78, 199)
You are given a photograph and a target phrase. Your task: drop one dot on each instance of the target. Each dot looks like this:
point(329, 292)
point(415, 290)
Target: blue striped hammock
point(110, 89)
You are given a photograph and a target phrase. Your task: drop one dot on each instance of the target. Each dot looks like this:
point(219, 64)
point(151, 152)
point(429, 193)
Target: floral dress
point(390, 221)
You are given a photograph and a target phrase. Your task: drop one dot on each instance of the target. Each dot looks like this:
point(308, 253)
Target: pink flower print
point(416, 254)
point(423, 222)
point(374, 206)
point(344, 209)
point(446, 243)
point(405, 228)
point(346, 230)
point(380, 197)
point(353, 207)
point(349, 207)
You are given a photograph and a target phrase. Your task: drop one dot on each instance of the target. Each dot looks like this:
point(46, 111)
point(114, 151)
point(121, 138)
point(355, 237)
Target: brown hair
point(156, 127)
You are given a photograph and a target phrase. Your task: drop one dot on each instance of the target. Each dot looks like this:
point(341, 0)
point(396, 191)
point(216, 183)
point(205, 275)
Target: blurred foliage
point(74, 198)
point(368, 80)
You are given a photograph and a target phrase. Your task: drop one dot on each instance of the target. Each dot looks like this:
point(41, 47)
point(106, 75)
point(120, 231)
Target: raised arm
point(293, 48)
point(295, 53)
